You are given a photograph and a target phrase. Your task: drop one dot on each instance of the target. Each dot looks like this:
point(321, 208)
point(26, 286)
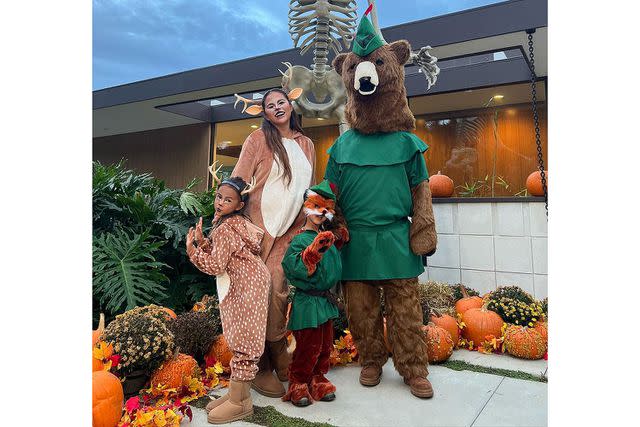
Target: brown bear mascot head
point(373, 74)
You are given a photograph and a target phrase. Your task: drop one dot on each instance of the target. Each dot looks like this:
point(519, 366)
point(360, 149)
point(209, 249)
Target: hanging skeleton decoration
point(319, 23)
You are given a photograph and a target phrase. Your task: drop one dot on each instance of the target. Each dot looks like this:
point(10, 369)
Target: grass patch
point(269, 416)
point(201, 402)
point(459, 365)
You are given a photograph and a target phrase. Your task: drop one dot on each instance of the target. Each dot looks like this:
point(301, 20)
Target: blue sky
point(140, 39)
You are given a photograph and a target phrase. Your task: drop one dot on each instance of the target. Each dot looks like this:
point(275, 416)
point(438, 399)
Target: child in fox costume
point(312, 264)
point(384, 193)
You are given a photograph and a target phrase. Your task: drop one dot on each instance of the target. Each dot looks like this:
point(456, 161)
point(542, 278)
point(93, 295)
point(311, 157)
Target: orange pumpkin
point(481, 323)
point(466, 302)
point(108, 399)
point(440, 185)
point(541, 328)
point(386, 337)
point(534, 183)
point(174, 372)
point(97, 364)
point(220, 350)
point(98, 332)
point(449, 324)
point(524, 342)
point(439, 343)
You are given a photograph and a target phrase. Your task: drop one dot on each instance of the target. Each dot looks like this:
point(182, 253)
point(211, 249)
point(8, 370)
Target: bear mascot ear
point(401, 49)
point(338, 61)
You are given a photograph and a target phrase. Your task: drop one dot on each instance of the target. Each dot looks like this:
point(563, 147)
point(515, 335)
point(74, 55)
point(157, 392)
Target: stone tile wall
point(485, 245)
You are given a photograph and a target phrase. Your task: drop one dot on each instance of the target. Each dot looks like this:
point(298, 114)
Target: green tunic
point(375, 174)
point(309, 311)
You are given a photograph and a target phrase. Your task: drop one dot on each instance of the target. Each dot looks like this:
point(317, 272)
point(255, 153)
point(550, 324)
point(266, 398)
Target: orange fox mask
point(315, 204)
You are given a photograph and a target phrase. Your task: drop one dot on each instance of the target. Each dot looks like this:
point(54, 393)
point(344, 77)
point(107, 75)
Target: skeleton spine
point(321, 49)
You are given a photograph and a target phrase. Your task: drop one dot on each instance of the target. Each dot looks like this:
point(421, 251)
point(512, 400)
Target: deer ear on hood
point(338, 61)
point(402, 50)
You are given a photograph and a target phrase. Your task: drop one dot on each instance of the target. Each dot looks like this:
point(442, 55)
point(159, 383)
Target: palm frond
point(126, 273)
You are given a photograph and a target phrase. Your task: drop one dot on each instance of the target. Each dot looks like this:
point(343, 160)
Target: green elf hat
point(323, 189)
point(367, 39)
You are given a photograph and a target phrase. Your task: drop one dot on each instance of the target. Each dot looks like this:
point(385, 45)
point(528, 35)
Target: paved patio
point(462, 398)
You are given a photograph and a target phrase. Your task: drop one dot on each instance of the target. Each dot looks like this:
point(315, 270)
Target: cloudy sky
point(140, 39)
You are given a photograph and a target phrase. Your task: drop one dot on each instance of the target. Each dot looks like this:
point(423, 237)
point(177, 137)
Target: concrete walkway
point(461, 398)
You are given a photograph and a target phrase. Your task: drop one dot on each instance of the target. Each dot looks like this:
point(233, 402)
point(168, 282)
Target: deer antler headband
point(247, 189)
point(251, 106)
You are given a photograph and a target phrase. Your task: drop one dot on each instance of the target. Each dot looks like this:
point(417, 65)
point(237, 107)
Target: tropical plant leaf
point(190, 204)
point(125, 272)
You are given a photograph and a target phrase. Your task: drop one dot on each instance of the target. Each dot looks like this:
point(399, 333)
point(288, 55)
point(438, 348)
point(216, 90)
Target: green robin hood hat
point(324, 189)
point(366, 40)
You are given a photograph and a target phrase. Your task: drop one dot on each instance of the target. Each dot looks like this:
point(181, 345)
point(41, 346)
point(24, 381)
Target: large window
point(483, 139)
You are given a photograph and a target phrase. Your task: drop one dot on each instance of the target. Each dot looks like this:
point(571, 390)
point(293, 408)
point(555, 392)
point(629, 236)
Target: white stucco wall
point(485, 245)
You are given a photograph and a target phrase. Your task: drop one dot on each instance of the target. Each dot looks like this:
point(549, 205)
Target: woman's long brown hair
point(274, 139)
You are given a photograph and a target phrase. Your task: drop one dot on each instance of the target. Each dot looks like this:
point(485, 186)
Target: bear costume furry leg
point(404, 325)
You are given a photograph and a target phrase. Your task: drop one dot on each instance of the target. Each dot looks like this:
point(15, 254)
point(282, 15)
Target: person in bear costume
point(385, 198)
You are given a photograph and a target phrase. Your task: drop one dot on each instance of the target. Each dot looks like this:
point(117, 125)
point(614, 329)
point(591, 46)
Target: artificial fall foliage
point(344, 350)
point(104, 357)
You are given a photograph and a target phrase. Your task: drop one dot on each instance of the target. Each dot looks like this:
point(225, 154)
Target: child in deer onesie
point(231, 254)
point(381, 172)
point(282, 160)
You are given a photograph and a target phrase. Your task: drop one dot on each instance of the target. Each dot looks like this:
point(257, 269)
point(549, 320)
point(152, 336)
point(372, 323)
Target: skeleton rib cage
point(319, 23)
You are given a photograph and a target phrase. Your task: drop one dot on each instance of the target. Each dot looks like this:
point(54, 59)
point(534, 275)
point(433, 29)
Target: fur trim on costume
point(296, 392)
point(312, 255)
point(422, 232)
point(320, 387)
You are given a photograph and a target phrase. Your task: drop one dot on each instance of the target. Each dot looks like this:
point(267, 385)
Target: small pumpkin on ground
point(467, 302)
point(449, 324)
point(534, 183)
point(524, 342)
point(439, 343)
point(440, 185)
point(108, 399)
point(220, 350)
point(542, 329)
point(481, 323)
point(174, 372)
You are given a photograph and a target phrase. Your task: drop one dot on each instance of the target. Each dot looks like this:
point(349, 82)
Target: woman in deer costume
point(282, 160)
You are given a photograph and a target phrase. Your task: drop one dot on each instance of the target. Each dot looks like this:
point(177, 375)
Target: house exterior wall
point(485, 245)
point(175, 155)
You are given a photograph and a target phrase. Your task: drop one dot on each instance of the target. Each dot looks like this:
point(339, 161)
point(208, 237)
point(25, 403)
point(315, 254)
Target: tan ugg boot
point(265, 382)
point(217, 402)
point(420, 387)
point(370, 375)
point(237, 407)
point(279, 357)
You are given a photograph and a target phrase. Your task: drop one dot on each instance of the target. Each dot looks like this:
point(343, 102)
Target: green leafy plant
point(125, 272)
point(150, 269)
point(473, 189)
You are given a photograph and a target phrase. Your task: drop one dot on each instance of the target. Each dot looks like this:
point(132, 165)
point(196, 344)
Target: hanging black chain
point(534, 107)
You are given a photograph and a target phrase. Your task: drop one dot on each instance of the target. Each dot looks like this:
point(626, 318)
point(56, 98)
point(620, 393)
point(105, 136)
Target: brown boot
point(265, 382)
point(370, 375)
point(420, 387)
point(237, 407)
point(279, 357)
point(217, 402)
